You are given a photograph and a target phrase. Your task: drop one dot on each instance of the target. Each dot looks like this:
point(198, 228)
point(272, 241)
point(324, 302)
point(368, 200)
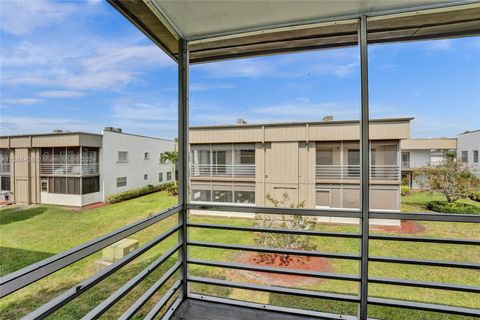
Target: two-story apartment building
point(317, 163)
point(79, 168)
point(468, 148)
point(420, 153)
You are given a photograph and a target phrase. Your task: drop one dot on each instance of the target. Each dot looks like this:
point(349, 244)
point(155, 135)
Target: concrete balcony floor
point(202, 310)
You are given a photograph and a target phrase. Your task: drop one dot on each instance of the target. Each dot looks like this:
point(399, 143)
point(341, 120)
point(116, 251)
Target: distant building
point(78, 168)
point(420, 153)
point(468, 148)
point(317, 163)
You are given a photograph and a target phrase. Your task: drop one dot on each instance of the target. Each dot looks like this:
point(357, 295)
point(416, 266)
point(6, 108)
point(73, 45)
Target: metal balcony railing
point(27, 276)
point(222, 170)
point(5, 168)
point(346, 172)
point(74, 169)
point(37, 271)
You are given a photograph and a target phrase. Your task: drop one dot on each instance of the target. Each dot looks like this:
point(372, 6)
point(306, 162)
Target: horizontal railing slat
point(272, 289)
point(281, 310)
point(276, 250)
point(150, 292)
point(275, 210)
point(296, 272)
point(423, 262)
point(424, 306)
point(274, 230)
point(21, 278)
point(171, 310)
point(426, 216)
point(123, 290)
point(424, 239)
point(163, 301)
point(79, 289)
point(425, 284)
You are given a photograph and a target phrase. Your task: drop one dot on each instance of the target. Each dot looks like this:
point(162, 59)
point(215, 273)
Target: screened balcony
point(219, 160)
point(195, 32)
point(69, 161)
point(4, 162)
point(340, 161)
point(5, 168)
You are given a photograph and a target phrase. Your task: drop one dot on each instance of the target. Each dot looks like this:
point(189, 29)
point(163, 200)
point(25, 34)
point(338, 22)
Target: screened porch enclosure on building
point(345, 170)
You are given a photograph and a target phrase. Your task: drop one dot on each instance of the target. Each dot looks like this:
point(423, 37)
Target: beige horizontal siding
point(52, 140)
point(323, 131)
point(425, 144)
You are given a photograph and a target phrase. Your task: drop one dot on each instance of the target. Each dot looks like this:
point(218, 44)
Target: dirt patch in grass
point(406, 227)
point(277, 261)
point(94, 206)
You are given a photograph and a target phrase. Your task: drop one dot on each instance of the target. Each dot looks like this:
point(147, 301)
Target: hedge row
point(475, 196)
point(135, 193)
point(455, 207)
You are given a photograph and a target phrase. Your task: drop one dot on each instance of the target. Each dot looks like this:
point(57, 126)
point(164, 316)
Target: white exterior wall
point(72, 200)
point(469, 142)
point(136, 166)
point(419, 158)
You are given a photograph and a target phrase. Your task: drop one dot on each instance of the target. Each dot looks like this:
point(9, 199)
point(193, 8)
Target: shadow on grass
point(13, 259)
point(26, 303)
point(19, 214)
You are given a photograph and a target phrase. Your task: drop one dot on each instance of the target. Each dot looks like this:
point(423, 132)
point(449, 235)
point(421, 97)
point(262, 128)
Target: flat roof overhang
point(218, 30)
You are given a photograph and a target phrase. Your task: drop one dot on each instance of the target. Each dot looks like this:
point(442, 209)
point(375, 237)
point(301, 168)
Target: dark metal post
point(183, 79)
point(365, 183)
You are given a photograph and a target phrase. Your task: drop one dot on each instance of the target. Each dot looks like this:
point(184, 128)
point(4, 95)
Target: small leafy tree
point(451, 178)
point(283, 240)
point(172, 157)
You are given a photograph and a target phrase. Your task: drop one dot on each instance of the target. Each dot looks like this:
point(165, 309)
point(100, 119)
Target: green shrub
point(475, 196)
point(172, 189)
point(404, 190)
point(135, 193)
point(454, 207)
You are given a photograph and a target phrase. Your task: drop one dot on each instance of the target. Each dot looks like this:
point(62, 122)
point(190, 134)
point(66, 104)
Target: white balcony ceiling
point(205, 18)
point(226, 29)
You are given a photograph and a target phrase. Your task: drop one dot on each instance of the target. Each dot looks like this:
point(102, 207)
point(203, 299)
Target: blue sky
point(82, 66)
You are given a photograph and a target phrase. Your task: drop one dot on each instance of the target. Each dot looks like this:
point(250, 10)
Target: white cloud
point(145, 118)
point(443, 44)
point(435, 127)
point(26, 54)
point(339, 63)
point(329, 68)
point(237, 68)
point(22, 101)
point(25, 125)
point(308, 111)
point(145, 111)
point(61, 94)
point(298, 110)
point(22, 17)
point(106, 66)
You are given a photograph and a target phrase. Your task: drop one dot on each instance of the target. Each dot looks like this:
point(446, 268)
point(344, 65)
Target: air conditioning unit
point(5, 195)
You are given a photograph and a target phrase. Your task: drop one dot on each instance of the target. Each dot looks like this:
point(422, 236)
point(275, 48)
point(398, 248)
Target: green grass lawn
point(32, 234)
point(28, 235)
point(417, 201)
